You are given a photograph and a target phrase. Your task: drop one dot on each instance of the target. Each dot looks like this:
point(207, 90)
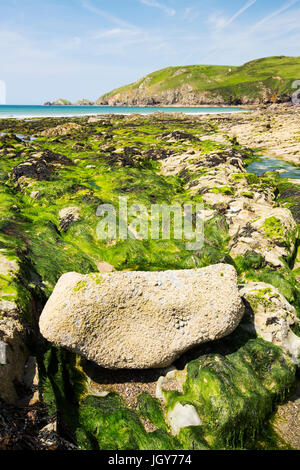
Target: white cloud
point(241, 11)
point(153, 3)
point(285, 7)
point(191, 13)
point(219, 21)
point(277, 34)
point(115, 33)
point(87, 5)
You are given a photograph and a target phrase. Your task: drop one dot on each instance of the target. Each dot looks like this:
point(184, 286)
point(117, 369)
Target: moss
point(79, 286)
point(251, 260)
point(265, 294)
point(283, 279)
point(235, 393)
point(123, 429)
point(247, 194)
point(150, 408)
point(94, 423)
point(237, 176)
point(192, 438)
point(252, 178)
point(273, 228)
point(263, 297)
point(227, 190)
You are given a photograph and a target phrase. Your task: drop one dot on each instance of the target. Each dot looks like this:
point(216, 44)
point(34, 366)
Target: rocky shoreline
point(50, 190)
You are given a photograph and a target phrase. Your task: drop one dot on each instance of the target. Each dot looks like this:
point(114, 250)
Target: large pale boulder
point(141, 319)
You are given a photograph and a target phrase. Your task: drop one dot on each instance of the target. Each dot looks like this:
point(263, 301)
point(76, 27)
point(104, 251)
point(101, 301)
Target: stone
point(39, 166)
point(35, 195)
point(272, 316)
point(183, 416)
point(63, 129)
point(104, 267)
point(13, 357)
point(67, 216)
point(272, 230)
point(140, 320)
point(8, 266)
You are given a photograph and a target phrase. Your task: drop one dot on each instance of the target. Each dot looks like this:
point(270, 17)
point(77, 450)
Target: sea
point(27, 111)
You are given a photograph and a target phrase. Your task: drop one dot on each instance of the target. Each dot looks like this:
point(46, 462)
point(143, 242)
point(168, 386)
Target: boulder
point(39, 166)
point(140, 320)
point(272, 316)
point(63, 129)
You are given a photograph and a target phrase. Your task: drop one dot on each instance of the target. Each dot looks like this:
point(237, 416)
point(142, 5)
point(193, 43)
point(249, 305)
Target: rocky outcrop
point(274, 128)
point(182, 96)
point(210, 85)
point(140, 320)
point(62, 102)
point(13, 352)
point(271, 316)
point(63, 129)
point(256, 224)
point(59, 102)
point(39, 166)
point(13, 334)
point(84, 102)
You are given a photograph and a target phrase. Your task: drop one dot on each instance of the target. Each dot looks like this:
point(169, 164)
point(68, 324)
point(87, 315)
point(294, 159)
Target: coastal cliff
point(260, 81)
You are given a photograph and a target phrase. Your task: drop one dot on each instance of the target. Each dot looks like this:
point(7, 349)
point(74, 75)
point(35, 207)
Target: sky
point(83, 48)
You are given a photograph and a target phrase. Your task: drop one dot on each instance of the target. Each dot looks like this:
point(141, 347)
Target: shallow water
point(21, 112)
point(24, 138)
point(266, 163)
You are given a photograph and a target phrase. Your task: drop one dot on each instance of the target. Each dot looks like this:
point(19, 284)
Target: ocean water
point(21, 112)
point(267, 163)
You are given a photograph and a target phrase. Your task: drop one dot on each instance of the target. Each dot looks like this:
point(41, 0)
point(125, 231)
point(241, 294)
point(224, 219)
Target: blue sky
point(83, 48)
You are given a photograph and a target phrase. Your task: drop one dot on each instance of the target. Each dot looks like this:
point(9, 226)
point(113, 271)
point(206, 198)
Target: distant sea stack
point(262, 81)
point(63, 102)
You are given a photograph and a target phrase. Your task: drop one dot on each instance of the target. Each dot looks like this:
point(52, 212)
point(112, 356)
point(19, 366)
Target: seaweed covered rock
point(68, 216)
point(272, 316)
point(257, 226)
point(8, 140)
point(232, 392)
point(13, 349)
point(141, 319)
point(13, 355)
point(39, 166)
point(63, 129)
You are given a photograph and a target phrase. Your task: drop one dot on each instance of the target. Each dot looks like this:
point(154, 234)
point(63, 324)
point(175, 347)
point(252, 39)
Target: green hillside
point(260, 80)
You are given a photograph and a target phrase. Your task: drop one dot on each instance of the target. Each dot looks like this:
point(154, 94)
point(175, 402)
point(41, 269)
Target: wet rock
point(68, 216)
point(141, 319)
point(39, 166)
point(178, 135)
